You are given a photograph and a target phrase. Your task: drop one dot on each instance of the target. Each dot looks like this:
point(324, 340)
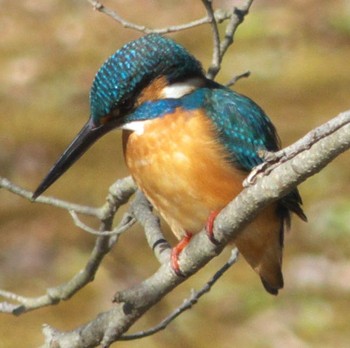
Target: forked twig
point(188, 303)
point(118, 194)
point(219, 15)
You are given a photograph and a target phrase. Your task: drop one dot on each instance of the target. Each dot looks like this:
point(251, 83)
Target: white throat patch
point(136, 126)
point(174, 91)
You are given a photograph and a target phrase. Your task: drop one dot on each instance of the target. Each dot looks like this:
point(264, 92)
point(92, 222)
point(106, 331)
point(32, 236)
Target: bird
point(189, 143)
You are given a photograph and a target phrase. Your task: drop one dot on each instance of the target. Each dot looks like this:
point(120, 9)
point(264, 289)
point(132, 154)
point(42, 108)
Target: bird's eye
point(126, 105)
point(121, 108)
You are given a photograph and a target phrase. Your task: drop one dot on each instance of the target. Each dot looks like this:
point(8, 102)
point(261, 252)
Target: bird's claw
point(209, 227)
point(176, 251)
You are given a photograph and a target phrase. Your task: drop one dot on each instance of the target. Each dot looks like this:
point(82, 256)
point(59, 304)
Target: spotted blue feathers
point(243, 127)
point(134, 66)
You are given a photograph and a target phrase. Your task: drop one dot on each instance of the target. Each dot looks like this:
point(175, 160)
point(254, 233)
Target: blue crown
point(135, 65)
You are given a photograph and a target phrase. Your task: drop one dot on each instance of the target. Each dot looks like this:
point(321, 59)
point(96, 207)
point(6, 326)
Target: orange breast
point(182, 169)
point(183, 172)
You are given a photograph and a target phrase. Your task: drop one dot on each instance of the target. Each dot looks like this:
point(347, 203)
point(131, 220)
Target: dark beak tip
point(85, 138)
point(35, 195)
point(40, 189)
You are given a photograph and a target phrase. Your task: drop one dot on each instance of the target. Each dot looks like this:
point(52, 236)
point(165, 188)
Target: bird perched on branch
point(188, 142)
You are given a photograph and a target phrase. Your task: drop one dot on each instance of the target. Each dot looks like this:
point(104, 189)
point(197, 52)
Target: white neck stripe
point(179, 89)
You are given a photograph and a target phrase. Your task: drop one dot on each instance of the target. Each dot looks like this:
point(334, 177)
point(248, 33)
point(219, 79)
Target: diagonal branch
point(273, 159)
point(132, 303)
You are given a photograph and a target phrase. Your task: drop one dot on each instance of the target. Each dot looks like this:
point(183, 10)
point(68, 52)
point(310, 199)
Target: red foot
point(210, 225)
point(177, 251)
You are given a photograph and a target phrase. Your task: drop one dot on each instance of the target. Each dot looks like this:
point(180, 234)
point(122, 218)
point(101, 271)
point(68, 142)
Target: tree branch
point(142, 210)
point(216, 57)
point(235, 17)
point(220, 16)
point(333, 138)
point(220, 47)
point(236, 78)
point(189, 303)
point(81, 209)
point(119, 194)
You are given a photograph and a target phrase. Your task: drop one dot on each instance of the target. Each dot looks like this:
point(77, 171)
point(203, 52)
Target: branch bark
point(300, 161)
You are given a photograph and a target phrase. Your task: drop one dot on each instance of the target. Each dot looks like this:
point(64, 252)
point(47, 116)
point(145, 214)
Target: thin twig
point(118, 194)
point(236, 78)
point(216, 57)
point(236, 18)
point(124, 225)
point(219, 15)
point(61, 292)
point(81, 209)
point(188, 303)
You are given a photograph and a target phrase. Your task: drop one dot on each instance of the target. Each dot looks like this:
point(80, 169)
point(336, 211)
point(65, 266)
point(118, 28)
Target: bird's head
point(147, 69)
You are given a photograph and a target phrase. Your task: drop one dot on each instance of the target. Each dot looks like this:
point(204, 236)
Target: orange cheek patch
point(153, 90)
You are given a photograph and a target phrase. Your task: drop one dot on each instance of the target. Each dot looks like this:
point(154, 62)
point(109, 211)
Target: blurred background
point(298, 52)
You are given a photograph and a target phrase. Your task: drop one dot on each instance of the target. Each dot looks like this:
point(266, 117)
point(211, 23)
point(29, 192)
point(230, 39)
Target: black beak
point(82, 142)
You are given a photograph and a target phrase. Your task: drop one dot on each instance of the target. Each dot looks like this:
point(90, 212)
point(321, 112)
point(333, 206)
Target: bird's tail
point(261, 244)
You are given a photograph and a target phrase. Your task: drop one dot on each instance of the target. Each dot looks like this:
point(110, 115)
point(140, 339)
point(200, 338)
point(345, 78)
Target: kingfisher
point(189, 143)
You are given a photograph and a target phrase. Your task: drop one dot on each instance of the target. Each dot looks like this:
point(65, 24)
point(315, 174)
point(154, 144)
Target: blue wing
point(243, 127)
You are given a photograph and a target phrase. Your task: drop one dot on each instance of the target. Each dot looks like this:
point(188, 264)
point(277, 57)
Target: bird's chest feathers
point(177, 162)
